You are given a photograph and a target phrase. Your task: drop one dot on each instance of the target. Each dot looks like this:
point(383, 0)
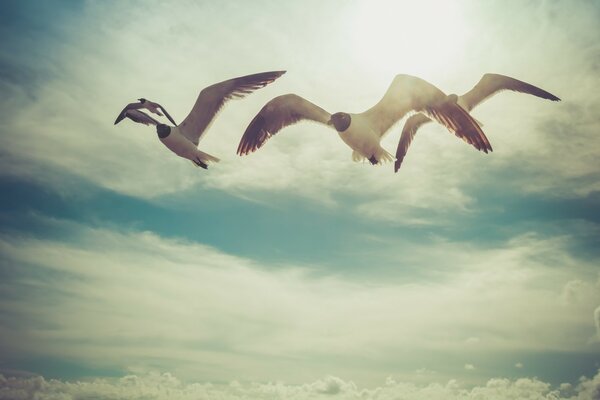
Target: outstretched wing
point(130, 106)
point(161, 109)
point(212, 98)
point(409, 93)
point(140, 117)
point(277, 114)
point(491, 84)
point(411, 126)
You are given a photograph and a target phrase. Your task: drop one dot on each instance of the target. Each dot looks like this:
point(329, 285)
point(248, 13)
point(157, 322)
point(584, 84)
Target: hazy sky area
point(294, 272)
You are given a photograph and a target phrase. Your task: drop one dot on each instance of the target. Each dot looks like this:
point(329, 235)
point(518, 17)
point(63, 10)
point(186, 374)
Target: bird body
point(364, 140)
point(183, 147)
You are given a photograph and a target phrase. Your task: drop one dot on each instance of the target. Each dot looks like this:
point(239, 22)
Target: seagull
point(183, 139)
point(147, 104)
point(489, 85)
point(363, 132)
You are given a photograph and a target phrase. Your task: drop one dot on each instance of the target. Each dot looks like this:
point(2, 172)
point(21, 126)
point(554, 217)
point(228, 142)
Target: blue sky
point(296, 265)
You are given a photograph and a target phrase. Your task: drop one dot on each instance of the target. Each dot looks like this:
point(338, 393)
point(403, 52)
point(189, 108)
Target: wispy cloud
point(127, 298)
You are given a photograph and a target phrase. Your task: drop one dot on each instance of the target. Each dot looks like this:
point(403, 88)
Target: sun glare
point(415, 37)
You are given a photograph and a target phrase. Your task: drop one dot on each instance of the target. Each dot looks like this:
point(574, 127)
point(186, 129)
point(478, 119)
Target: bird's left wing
point(409, 93)
point(278, 113)
point(140, 117)
point(411, 126)
point(212, 98)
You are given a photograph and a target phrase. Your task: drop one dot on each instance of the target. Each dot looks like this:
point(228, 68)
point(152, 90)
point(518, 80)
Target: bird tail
point(202, 159)
point(382, 157)
point(385, 157)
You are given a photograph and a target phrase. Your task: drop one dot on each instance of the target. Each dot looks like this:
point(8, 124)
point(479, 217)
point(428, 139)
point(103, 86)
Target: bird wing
point(277, 114)
point(490, 84)
point(409, 131)
point(212, 98)
point(408, 93)
point(158, 106)
point(140, 117)
point(130, 106)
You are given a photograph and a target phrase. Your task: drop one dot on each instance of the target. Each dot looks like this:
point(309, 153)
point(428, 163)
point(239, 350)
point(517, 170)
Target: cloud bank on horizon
point(167, 386)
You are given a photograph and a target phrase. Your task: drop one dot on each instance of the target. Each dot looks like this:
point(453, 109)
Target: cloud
point(469, 367)
point(166, 386)
point(519, 365)
point(125, 299)
point(597, 321)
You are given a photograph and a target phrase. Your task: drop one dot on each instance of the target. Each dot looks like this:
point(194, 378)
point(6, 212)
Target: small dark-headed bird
point(363, 132)
point(183, 139)
point(151, 106)
point(489, 85)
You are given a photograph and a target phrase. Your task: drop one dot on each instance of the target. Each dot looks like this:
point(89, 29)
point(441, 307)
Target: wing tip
point(250, 142)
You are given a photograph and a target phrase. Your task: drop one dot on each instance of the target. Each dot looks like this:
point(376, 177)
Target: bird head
point(142, 100)
point(163, 130)
point(340, 121)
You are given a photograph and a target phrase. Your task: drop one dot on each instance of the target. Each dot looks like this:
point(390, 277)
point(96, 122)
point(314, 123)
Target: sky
point(295, 272)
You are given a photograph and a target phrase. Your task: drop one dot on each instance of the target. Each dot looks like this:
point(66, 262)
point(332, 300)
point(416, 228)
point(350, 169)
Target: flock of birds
point(362, 132)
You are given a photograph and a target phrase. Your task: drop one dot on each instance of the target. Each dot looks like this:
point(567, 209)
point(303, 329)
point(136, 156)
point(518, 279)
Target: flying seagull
point(183, 139)
point(489, 85)
point(363, 132)
point(147, 104)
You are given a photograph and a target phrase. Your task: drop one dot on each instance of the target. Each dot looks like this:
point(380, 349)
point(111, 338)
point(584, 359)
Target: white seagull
point(363, 132)
point(489, 85)
point(183, 139)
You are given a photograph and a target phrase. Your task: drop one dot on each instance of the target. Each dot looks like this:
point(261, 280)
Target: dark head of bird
point(142, 100)
point(163, 130)
point(340, 120)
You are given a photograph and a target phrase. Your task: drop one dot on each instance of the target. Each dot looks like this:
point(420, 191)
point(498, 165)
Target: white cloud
point(166, 386)
point(129, 299)
point(469, 367)
point(519, 365)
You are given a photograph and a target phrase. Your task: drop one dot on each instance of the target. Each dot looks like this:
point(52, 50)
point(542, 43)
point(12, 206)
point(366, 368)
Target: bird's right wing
point(491, 84)
point(409, 131)
point(130, 106)
point(140, 117)
point(277, 114)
